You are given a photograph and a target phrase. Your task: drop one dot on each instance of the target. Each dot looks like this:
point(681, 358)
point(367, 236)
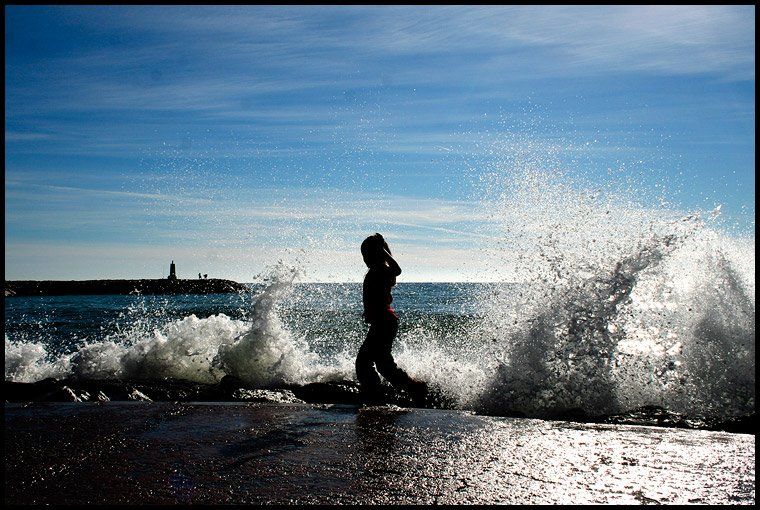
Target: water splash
point(268, 353)
point(596, 327)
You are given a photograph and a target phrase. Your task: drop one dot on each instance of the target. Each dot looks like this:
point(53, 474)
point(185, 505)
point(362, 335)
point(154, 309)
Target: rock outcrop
point(104, 287)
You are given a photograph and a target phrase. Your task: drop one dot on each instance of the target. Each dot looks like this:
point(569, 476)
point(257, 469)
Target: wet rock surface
point(263, 453)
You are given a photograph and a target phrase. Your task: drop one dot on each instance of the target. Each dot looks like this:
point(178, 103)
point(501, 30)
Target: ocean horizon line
point(342, 282)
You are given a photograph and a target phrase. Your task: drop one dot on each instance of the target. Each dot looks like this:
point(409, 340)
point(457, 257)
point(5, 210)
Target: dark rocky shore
point(104, 287)
point(229, 389)
point(232, 389)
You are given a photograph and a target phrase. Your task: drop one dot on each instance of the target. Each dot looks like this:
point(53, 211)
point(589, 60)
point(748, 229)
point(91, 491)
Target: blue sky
point(227, 138)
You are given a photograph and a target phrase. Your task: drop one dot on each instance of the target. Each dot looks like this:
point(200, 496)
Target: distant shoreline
point(21, 288)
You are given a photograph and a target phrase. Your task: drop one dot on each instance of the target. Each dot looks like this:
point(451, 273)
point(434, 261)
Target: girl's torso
point(377, 295)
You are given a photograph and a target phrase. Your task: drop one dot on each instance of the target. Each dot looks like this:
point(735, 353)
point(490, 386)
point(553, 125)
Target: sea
point(602, 351)
point(598, 304)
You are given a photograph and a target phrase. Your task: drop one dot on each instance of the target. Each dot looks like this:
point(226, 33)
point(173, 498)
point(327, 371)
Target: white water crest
point(621, 306)
point(268, 353)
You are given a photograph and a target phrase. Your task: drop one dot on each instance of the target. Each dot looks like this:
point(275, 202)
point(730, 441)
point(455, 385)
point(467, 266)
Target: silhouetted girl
point(376, 349)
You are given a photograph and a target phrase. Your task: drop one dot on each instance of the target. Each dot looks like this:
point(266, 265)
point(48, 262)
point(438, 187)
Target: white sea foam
point(261, 351)
point(28, 362)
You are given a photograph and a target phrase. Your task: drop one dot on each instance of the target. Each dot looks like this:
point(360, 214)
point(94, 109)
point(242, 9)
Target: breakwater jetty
point(104, 287)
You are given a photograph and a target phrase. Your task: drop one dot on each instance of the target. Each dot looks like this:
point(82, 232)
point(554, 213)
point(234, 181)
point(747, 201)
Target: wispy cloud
point(83, 193)
point(14, 136)
point(290, 127)
point(323, 47)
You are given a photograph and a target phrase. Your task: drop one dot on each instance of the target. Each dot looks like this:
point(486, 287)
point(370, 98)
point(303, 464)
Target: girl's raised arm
point(392, 264)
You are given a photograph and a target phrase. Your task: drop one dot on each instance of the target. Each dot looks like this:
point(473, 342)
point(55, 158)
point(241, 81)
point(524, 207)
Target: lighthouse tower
point(172, 271)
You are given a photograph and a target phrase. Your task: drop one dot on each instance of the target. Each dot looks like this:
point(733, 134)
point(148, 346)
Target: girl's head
point(373, 250)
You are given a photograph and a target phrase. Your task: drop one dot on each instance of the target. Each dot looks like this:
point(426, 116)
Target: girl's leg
point(365, 363)
point(386, 365)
